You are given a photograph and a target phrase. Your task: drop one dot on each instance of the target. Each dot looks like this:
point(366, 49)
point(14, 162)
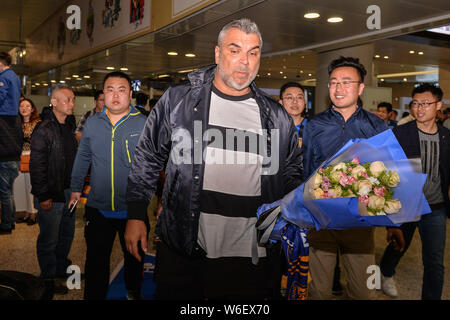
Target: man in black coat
point(53, 150)
point(424, 138)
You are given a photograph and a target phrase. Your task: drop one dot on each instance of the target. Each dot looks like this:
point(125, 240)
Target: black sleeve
point(39, 164)
point(150, 157)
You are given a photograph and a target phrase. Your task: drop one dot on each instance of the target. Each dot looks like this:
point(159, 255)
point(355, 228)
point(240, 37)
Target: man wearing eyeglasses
point(424, 138)
point(323, 136)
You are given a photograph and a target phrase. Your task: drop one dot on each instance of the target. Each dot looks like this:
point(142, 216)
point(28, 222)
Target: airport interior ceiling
point(291, 42)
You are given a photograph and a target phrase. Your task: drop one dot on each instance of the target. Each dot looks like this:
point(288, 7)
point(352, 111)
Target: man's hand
point(46, 205)
point(74, 197)
point(396, 235)
point(135, 232)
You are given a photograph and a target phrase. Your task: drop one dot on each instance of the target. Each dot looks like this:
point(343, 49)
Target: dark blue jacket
point(408, 137)
point(9, 93)
point(327, 132)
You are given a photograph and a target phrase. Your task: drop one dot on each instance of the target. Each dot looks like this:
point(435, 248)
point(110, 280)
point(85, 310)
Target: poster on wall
point(103, 22)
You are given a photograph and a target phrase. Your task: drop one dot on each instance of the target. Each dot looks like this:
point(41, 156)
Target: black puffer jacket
point(178, 108)
point(47, 160)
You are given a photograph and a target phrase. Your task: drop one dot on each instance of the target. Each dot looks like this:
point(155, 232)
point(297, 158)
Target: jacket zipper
point(112, 161)
point(128, 151)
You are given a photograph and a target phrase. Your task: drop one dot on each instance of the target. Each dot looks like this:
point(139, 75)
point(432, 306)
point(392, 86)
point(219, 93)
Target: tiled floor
point(18, 252)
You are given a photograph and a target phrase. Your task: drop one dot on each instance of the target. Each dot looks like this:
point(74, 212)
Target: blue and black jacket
point(108, 150)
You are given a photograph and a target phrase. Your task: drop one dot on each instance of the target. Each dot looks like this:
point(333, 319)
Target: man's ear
point(361, 89)
point(438, 105)
point(217, 54)
point(53, 101)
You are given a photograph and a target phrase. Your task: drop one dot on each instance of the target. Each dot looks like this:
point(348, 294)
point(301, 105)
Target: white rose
point(392, 206)
point(377, 168)
point(335, 192)
point(340, 166)
point(318, 193)
point(317, 180)
point(364, 187)
point(394, 179)
point(356, 171)
point(335, 176)
point(376, 202)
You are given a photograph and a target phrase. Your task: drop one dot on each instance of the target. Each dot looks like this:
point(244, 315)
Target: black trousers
point(100, 233)
point(179, 277)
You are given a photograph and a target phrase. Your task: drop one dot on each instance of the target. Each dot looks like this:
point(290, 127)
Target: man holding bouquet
point(323, 136)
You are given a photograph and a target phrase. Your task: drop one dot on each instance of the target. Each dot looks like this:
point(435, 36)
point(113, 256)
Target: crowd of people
point(213, 185)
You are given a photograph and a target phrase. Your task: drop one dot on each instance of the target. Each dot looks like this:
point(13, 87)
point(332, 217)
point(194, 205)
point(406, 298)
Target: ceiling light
point(420, 53)
point(382, 80)
point(285, 77)
point(411, 51)
point(124, 69)
point(386, 57)
point(172, 53)
point(45, 84)
point(377, 56)
point(79, 79)
point(62, 81)
point(37, 84)
point(53, 81)
point(404, 79)
point(110, 68)
point(268, 73)
point(311, 15)
point(87, 77)
point(190, 55)
point(335, 19)
point(68, 78)
point(309, 74)
point(301, 71)
point(186, 71)
point(281, 72)
point(163, 76)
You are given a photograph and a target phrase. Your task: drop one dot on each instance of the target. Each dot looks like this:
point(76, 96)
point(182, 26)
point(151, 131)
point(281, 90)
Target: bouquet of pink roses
point(370, 182)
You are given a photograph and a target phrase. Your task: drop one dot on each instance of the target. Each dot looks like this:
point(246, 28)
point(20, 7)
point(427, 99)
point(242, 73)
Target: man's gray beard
point(229, 80)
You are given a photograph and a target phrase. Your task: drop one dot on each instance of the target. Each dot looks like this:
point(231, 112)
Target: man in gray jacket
point(107, 147)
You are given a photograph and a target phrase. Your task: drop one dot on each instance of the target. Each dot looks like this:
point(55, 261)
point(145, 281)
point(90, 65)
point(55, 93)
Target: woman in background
point(22, 185)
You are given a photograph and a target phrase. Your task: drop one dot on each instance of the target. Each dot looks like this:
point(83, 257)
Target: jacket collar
point(333, 112)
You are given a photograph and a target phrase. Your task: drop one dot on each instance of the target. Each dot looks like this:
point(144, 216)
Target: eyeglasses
point(346, 84)
point(425, 105)
point(292, 98)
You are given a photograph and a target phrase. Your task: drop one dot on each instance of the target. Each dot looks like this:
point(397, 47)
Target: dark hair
point(97, 94)
point(348, 62)
point(141, 98)
point(117, 74)
point(290, 85)
point(386, 105)
point(426, 87)
point(405, 114)
point(5, 58)
point(152, 102)
point(34, 113)
point(395, 111)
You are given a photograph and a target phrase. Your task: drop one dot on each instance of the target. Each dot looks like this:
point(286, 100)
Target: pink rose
point(364, 174)
point(364, 199)
point(379, 191)
point(355, 160)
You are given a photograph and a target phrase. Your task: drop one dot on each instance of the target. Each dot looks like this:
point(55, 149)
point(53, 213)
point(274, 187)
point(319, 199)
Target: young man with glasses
point(324, 135)
point(424, 138)
point(292, 98)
